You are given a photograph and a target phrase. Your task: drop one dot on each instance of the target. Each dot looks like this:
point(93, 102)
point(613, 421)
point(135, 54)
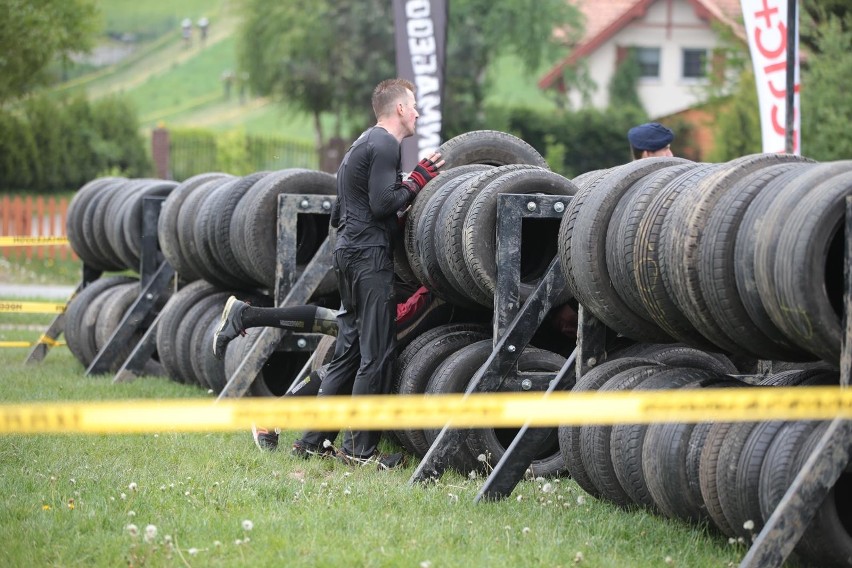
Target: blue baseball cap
point(651, 136)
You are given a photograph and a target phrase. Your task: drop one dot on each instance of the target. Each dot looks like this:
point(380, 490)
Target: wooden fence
point(34, 217)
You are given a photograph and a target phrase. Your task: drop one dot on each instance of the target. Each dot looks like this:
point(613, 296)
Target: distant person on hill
point(203, 24)
point(186, 28)
point(650, 140)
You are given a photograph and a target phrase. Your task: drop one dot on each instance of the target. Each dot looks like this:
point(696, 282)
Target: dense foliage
point(50, 146)
point(34, 33)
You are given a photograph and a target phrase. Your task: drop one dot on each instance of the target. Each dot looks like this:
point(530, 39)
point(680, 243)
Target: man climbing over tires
point(370, 194)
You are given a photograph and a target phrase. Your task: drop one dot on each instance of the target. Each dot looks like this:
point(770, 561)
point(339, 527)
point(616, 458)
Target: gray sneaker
point(230, 326)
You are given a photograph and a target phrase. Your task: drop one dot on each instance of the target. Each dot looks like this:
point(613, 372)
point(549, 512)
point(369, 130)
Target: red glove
point(421, 174)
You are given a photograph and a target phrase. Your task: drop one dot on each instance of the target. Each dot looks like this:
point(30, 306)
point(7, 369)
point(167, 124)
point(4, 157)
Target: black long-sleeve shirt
point(369, 192)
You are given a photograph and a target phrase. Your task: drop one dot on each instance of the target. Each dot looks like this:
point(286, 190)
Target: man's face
point(409, 113)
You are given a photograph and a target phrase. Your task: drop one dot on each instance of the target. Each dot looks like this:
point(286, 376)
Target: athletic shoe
point(307, 451)
point(264, 439)
point(381, 461)
point(230, 326)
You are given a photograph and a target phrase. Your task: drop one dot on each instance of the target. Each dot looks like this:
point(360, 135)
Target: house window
point(694, 63)
point(649, 62)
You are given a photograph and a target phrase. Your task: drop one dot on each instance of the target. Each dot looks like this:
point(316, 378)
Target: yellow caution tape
point(12, 306)
point(393, 412)
point(21, 241)
point(46, 341)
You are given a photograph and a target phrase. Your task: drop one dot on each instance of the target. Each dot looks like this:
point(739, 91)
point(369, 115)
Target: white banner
point(766, 26)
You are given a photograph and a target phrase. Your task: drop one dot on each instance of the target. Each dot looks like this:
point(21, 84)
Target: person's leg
point(343, 366)
point(373, 280)
point(239, 316)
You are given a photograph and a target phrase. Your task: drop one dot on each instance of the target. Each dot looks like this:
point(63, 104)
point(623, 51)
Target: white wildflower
point(247, 525)
point(150, 533)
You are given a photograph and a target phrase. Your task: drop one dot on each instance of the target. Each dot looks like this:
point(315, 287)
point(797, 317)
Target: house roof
point(605, 18)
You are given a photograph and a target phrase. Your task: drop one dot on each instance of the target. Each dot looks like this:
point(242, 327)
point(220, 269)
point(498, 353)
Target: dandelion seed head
point(426, 564)
point(525, 530)
point(131, 513)
point(732, 540)
point(162, 487)
point(519, 498)
point(547, 487)
point(347, 491)
point(326, 443)
point(132, 529)
point(209, 391)
point(186, 493)
point(111, 498)
point(246, 540)
point(133, 486)
point(748, 525)
point(472, 475)
point(167, 539)
point(123, 495)
point(507, 528)
point(668, 560)
point(247, 525)
point(217, 543)
point(581, 500)
point(72, 481)
point(156, 435)
point(150, 532)
point(53, 478)
point(578, 557)
point(540, 479)
point(347, 473)
point(192, 551)
point(238, 542)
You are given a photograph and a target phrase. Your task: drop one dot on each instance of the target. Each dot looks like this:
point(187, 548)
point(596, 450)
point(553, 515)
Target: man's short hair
point(387, 93)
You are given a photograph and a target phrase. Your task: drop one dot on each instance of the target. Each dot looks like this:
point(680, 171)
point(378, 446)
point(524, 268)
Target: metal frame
point(155, 275)
point(288, 290)
point(514, 327)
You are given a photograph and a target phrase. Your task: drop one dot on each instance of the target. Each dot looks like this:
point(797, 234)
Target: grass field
point(69, 500)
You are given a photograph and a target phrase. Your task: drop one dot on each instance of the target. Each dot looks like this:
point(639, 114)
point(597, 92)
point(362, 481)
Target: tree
point(826, 110)
point(327, 58)
point(33, 33)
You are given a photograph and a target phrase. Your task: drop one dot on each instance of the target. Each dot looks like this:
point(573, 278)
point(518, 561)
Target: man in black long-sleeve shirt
point(370, 194)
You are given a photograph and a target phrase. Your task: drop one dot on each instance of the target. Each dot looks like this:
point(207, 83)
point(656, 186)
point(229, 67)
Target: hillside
point(197, 85)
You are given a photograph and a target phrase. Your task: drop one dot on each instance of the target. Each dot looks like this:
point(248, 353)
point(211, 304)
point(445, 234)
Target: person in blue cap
point(650, 140)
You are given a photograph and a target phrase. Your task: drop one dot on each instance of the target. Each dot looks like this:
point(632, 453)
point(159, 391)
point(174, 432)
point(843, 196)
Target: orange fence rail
point(34, 217)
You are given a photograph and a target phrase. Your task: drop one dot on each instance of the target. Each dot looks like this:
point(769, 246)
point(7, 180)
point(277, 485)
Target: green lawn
point(69, 500)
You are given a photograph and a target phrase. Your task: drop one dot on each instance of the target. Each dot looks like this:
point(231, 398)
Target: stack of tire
point(104, 226)
point(219, 232)
point(443, 360)
point(450, 231)
point(731, 475)
point(743, 257)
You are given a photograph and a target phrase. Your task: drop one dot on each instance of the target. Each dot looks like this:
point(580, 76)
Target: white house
point(674, 42)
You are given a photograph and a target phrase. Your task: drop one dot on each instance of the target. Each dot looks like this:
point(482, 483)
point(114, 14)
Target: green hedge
point(49, 146)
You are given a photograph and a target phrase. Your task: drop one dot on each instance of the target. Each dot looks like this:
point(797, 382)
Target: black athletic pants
point(366, 338)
